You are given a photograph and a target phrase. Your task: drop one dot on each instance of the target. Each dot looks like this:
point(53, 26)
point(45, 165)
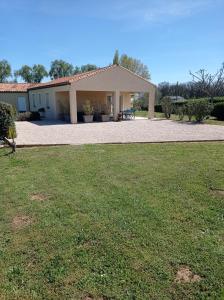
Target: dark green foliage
point(218, 111)
point(167, 107)
point(5, 70)
point(202, 109)
point(180, 111)
point(88, 67)
point(60, 68)
point(32, 74)
point(158, 108)
point(134, 65)
point(29, 116)
point(25, 72)
point(189, 110)
point(7, 121)
point(116, 58)
point(39, 72)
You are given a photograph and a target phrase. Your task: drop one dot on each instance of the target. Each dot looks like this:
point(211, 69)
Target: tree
point(167, 106)
point(5, 70)
point(39, 72)
point(77, 70)
point(88, 67)
point(116, 58)
point(134, 65)
point(210, 84)
point(25, 72)
point(60, 68)
point(31, 74)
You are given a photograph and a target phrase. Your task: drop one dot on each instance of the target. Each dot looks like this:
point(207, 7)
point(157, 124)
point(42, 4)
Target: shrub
point(29, 116)
point(180, 110)
point(87, 108)
point(202, 109)
point(7, 121)
point(218, 111)
point(189, 110)
point(167, 107)
point(158, 108)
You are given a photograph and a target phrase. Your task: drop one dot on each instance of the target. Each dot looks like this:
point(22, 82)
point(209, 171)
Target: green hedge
point(158, 107)
point(7, 121)
point(29, 116)
point(218, 111)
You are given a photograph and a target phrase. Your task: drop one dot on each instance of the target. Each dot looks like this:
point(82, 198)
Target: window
point(47, 101)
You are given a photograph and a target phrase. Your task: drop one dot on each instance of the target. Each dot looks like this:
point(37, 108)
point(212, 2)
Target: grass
point(112, 221)
point(211, 120)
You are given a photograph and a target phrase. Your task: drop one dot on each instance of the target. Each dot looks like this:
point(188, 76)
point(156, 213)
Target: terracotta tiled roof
point(70, 79)
point(24, 87)
point(16, 87)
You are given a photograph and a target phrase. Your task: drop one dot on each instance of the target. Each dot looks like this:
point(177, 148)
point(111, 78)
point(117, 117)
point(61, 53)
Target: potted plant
point(88, 112)
point(105, 114)
point(41, 112)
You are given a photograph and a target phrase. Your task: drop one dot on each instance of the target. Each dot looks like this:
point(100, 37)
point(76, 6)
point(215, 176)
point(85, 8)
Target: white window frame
point(47, 101)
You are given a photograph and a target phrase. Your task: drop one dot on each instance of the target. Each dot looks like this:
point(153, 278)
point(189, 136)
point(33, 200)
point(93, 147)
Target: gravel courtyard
point(50, 133)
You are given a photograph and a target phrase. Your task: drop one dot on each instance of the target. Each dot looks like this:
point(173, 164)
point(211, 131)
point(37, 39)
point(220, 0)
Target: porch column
point(116, 102)
point(151, 108)
point(73, 106)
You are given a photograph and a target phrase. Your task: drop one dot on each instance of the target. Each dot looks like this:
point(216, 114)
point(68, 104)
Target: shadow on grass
point(6, 154)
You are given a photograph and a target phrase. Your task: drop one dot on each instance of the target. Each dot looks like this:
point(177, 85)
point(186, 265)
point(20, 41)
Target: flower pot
point(105, 118)
point(88, 118)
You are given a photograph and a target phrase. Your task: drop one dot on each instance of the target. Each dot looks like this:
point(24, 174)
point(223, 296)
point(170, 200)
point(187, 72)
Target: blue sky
point(170, 36)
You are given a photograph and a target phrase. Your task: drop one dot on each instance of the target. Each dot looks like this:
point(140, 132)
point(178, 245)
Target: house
point(63, 98)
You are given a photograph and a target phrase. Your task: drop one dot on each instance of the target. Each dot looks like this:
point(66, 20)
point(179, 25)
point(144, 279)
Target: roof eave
point(48, 86)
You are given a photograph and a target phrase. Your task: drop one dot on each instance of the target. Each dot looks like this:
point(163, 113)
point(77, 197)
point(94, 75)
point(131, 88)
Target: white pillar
point(73, 106)
point(151, 108)
point(116, 103)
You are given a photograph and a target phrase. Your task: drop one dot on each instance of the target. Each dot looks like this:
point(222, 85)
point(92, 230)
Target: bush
point(7, 121)
point(167, 107)
point(189, 110)
point(180, 110)
point(202, 109)
point(29, 116)
point(218, 111)
point(158, 108)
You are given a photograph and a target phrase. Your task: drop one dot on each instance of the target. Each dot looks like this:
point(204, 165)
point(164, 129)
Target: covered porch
point(108, 90)
point(69, 104)
point(113, 103)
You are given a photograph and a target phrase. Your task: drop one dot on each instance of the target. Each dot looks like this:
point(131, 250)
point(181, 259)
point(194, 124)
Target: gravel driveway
point(156, 130)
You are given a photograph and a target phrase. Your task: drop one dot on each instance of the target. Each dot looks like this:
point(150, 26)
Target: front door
point(21, 104)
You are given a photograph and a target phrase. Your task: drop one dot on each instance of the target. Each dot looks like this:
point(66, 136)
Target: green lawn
point(211, 120)
point(112, 221)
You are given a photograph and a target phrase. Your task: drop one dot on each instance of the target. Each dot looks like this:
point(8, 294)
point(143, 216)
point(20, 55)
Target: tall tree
point(5, 70)
point(77, 70)
point(31, 74)
point(60, 68)
point(88, 67)
point(134, 65)
point(116, 58)
point(39, 72)
point(25, 72)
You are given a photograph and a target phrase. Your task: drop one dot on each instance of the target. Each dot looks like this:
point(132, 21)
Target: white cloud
point(139, 11)
point(152, 11)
